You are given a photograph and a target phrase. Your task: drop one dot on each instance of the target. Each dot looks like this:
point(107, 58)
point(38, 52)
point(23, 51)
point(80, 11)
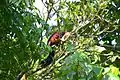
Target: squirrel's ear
point(65, 36)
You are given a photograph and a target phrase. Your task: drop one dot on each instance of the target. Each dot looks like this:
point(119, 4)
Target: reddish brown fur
point(55, 38)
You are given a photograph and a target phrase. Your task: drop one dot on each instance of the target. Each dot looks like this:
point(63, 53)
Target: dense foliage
point(92, 52)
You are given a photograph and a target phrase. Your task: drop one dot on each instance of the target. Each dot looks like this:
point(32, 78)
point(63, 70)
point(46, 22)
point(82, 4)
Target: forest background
point(92, 51)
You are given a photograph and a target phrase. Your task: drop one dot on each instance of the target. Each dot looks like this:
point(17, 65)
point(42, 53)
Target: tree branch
point(110, 47)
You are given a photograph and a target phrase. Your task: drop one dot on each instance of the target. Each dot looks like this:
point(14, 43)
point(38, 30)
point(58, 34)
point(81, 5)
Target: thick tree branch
point(110, 47)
